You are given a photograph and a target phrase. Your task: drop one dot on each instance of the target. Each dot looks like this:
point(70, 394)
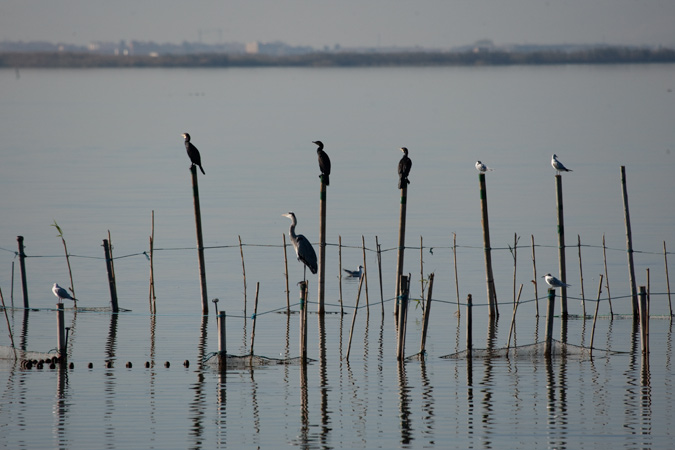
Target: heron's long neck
point(291, 229)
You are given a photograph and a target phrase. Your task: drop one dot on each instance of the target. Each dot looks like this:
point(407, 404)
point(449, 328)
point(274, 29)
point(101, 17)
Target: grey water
point(100, 150)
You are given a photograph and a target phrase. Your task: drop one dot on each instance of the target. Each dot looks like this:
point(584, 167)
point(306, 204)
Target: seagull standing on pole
point(404, 166)
point(324, 162)
point(303, 248)
point(554, 282)
point(482, 167)
point(62, 293)
point(557, 165)
point(193, 153)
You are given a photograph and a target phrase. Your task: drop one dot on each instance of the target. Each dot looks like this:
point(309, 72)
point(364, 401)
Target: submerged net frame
point(535, 351)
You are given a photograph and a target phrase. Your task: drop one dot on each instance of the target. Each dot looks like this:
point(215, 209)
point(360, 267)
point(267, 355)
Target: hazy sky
point(427, 23)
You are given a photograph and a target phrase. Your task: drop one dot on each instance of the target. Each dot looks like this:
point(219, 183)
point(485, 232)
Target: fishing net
point(534, 351)
point(234, 362)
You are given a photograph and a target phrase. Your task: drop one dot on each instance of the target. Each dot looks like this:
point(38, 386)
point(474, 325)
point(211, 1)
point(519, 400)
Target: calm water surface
point(99, 150)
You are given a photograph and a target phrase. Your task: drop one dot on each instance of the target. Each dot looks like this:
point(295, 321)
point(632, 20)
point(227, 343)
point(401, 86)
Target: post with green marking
point(401, 244)
point(322, 246)
point(489, 278)
point(561, 246)
point(200, 240)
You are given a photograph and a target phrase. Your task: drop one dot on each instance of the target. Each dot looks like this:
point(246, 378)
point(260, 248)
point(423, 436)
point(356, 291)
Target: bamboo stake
point(340, 271)
point(111, 275)
point(379, 267)
point(609, 296)
point(629, 242)
point(516, 238)
point(11, 292)
point(255, 315)
point(200, 240)
point(9, 328)
point(243, 270)
point(288, 300)
point(644, 321)
point(356, 308)
point(469, 326)
point(581, 278)
point(401, 242)
point(561, 246)
point(427, 311)
point(665, 259)
point(152, 297)
point(513, 317)
point(421, 274)
point(402, 316)
point(534, 281)
point(365, 271)
point(303, 322)
point(550, 305)
point(454, 259)
point(65, 248)
point(112, 258)
point(489, 278)
point(22, 266)
point(595, 315)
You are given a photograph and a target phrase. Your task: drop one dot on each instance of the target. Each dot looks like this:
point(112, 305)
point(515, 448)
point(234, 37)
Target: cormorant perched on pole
point(324, 162)
point(404, 166)
point(303, 249)
point(193, 153)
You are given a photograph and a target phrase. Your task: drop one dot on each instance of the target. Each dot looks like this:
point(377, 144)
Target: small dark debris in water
point(147, 364)
point(26, 364)
point(108, 364)
point(91, 365)
point(71, 366)
point(55, 359)
point(52, 366)
point(167, 364)
point(186, 363)
point(40, 365)
point(128, 364)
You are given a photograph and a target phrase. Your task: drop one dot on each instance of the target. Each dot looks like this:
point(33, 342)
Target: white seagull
point(354, 273)
point(482, 167)
point(554, 282)
point(62, 293)
point(557, 165)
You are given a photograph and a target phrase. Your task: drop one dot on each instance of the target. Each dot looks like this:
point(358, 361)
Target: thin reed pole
point(379, 267)
point(644, 321)
point(365, 271)
point(534, 281)
point(356, 308)
point(401, 243)
point(629, 243)
point(454, 260)
point(609, 295)
point(516, 238)
point(322, 246)
point(22, 267)
point(255, 315)
point(489, 278)
point(111, 276)
point(340, 271)
point(595, 315)
point(151, 294)
point(243, 270)
point(421, 273)
point(200, 240)
point(427, 311)
point(469, 326)
point(665, 259)
point(9, 328)
point(581, 279)
point(303, 321)
point(11, 291)
point(561, 246)
point(550, 305)
point(65, 248)
point(513, 317)
point(288, 300)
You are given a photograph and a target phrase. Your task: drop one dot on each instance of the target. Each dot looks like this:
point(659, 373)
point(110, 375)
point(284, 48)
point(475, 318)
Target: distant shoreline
point(610, 55)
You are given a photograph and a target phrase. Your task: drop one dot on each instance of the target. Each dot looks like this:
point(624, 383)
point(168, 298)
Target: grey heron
point(303, 249)
point(62, 293)
point(193, 153)
point(557, 165)
point(404, 166)
point(324, 162)
point(482, 167)
point(554, 282)
point(354, 273)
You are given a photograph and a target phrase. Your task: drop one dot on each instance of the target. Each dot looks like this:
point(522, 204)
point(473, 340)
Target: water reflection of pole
point(222, 408)
point(304, 410)
point(323, 380)
point(60, 409)
point(111, 344)
point(404, 404)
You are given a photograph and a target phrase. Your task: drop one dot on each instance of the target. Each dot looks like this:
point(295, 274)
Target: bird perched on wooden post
point(482, 167)
point(404, 166)
point(324, 162)
point(557, 165)
point(554, 282)
point(62, 293)
point(193, 153)
point(303, 248)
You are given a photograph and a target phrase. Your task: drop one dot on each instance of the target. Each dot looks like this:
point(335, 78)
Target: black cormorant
point(324, 162)
point(404, 169)
point(193, 153)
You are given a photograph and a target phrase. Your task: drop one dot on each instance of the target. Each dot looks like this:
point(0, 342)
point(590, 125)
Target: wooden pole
point(303, 322)
point(665, 259)
point(221, 336)
point(629, 243)
point(609, 295)
point(581, 279)
point(255, 315)
point(427, 311)
point(356, 308)
point(340, 272)
point(151, 295)
point(421, 274)
point(469, 326)
point(534, 281)
point(322, 246)
point(200, 240)
point(60, 331)
point(111, 276)
point(243, 270)
point(561, 246)
point(365, 271)
point(513, 317)
point(595, 315)
point(402, 315)
point(644, 321)
point(454, 259)
point(288, 299)
point(549, 322)
point(11, 291)
point(379, 267)
point(22, 266)
point(401, 243)
point(489, 278)
point(9, 328)
point(516, 238)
